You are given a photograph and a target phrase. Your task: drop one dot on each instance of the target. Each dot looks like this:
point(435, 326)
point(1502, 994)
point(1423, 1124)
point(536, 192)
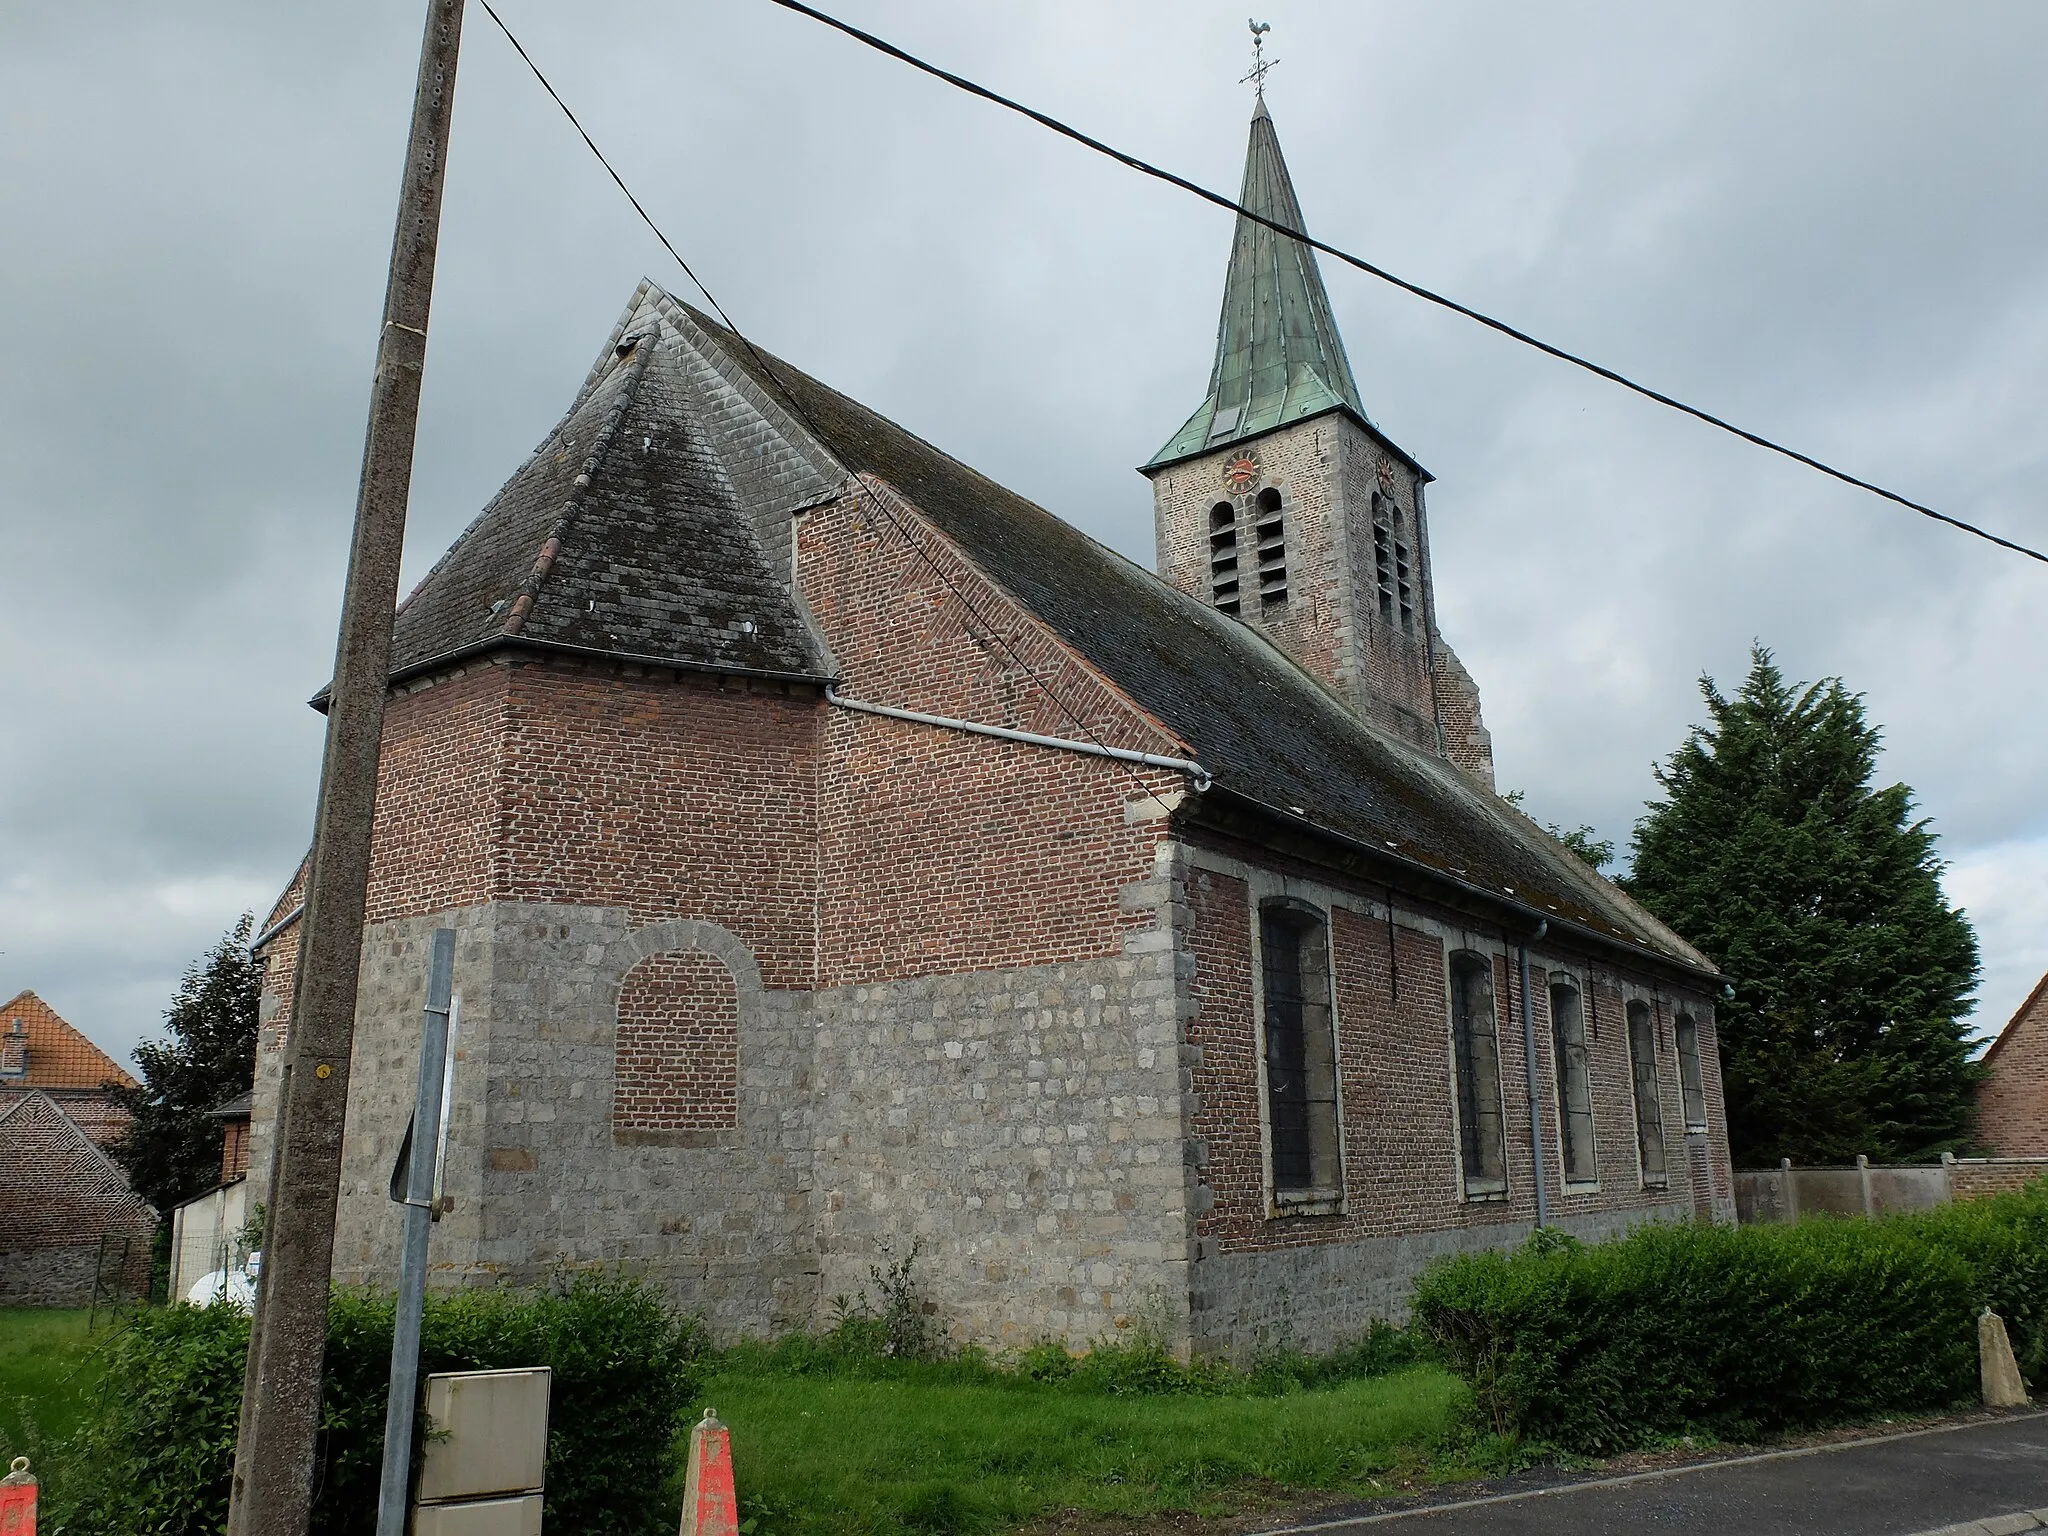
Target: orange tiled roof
point(58, 1055)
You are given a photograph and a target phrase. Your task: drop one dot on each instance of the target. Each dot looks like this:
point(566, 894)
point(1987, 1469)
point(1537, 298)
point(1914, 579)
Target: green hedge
point(1739, 1332)
point(159, 1455)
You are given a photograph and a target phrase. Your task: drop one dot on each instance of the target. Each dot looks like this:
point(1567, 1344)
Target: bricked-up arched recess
point(678, 1052)
point(678, 993)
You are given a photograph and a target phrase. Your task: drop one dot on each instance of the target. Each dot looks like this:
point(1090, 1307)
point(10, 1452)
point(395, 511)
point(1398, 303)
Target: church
point(852, 859)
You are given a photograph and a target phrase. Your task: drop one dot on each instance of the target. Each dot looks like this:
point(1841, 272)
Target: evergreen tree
point(1820, 897)
point(172, 1149)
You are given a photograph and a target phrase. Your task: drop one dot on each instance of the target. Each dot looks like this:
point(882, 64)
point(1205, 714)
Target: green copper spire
point(1278, 355)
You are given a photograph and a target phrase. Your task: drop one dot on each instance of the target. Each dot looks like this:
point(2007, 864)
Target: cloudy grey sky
point(1827, 220)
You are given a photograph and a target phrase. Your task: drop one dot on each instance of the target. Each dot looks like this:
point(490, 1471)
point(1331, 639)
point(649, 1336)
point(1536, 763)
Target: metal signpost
point(413, 1183)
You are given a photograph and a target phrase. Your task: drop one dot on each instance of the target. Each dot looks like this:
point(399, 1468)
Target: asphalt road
point(1896, 1486)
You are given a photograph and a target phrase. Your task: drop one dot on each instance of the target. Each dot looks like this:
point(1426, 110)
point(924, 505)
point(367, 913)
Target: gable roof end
point(59, 1054)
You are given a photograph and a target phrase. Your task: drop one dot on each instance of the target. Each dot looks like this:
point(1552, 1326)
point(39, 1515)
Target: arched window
point(1223, 588)
point(1475, 1038)
point(1574, 1084)
point(1642, 1057)
point(1301, 1052)
point(1692, 1085)
point(1271, 532)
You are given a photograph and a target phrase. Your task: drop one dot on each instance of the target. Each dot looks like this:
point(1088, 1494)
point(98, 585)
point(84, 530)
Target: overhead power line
point(877, 503)
point(1159, 173)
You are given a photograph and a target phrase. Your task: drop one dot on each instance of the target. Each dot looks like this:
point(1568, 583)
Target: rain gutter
point(1192, 769)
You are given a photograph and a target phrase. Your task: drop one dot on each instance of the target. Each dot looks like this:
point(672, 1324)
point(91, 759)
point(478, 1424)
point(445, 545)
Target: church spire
point(1278, 355)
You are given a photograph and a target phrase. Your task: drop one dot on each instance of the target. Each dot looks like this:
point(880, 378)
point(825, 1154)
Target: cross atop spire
point(1261, 65)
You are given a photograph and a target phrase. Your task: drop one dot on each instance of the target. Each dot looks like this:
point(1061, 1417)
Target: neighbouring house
point(41, 1053)
point(2012, 1100)
point(234, 1136)
point(849, 856)
point(213, 1231)
point(69, 1223)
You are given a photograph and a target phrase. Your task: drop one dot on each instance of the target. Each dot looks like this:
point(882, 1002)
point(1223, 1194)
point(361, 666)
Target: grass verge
point(48, 1369)
point(929, 1452)
point(835, 1437)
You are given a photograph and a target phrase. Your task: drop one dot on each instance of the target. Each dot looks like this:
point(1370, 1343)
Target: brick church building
point(848, 854)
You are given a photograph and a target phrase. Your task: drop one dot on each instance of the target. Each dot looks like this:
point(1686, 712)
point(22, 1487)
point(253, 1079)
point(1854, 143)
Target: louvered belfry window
point(1475, 1036)
point(1301, 1056)
point(1642, 1055)
point(1270, 530)
point(1392, 571)
point(1223, 579)
point(1574, 1084)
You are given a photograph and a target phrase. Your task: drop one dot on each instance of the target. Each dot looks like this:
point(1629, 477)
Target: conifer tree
point(172, 1148)
point(1820, 896)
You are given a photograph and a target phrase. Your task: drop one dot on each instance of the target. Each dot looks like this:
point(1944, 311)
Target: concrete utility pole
point(273, 1484)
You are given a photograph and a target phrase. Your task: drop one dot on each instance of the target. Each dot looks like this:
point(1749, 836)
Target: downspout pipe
point(1535, 1098)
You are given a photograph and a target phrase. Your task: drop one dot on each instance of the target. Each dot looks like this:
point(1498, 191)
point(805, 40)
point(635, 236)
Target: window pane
point(1689, 1079)
point(1301, 1061)
point(1482, 1140)
point(1286, 1064)
point(1642, 1051)
point(1574, 1084)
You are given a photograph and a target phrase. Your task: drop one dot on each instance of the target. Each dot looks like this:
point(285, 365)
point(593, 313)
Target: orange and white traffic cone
point(18, 1500)
point(709, 1507)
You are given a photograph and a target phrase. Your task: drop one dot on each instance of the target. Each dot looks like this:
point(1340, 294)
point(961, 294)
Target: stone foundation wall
point(47, 1277)
point(540, 1176)
point(1025, 1129)
point(1323, 1297)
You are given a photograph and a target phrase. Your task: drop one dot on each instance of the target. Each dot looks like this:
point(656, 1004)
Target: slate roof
point(621, 535)
point(696, 449)
point(1279, 358)
point(1265, 728)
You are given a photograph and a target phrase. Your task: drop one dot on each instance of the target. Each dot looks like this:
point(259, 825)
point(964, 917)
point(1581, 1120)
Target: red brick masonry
point(2012, 1101)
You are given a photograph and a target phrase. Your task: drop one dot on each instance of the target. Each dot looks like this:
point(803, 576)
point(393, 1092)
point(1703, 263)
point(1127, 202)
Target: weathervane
point(1261, 65)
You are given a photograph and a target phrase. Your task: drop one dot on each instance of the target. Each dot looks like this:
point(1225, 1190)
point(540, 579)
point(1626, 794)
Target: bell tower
point(1281, 504)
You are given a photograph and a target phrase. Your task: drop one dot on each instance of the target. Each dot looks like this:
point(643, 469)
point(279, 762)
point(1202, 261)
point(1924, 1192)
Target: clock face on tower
point(1241, 471)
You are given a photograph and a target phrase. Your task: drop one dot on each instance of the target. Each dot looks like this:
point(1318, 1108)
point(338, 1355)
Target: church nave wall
point(543, 1171)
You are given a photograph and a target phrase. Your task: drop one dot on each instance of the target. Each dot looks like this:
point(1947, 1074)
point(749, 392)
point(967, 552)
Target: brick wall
point(664, 795)
point(279, 958)
point(234, 1150)
point(1970, 1177)
point(2012, 1101)
point(941, 851)
point(1396, 1074)
point(59, 1195)
point(438, 789)
point(1467, 742)
point(678, 1062)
